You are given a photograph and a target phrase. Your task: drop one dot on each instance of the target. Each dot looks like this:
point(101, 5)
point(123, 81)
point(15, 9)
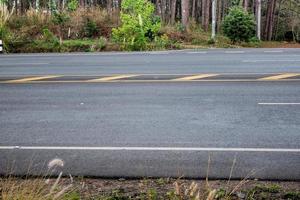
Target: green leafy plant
point(239, 25)
point(90, 28)
point(139, 25)
point(48, 36)
point(5, 15)
point(52, 6)
point(60, 19)
point(72, 5)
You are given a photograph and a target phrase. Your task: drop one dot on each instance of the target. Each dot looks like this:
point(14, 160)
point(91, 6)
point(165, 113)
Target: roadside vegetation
point(12, 188)
point(133, 25)
point(67, 187)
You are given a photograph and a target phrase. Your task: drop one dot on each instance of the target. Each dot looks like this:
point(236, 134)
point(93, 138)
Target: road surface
point(153, 114)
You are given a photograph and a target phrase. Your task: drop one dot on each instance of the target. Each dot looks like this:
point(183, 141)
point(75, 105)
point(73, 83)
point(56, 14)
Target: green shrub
point(83, 45)
point(239, 25)
point(163, 42)
point(48, 36)
point(211, 41)
point(100, 44)
point(48, 43)
point(60, 19)
point(90, 29)
point(72, 5)
point(139, 25)
point(5, 36)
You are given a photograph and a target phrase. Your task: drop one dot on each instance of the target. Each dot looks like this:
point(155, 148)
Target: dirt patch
point(185, 189)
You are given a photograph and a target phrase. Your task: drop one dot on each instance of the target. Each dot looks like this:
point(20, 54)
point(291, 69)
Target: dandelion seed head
point(57, 162)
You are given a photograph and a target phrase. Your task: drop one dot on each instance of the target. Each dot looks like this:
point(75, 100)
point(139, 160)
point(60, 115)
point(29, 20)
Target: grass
point(13, 188)
point(42, 46)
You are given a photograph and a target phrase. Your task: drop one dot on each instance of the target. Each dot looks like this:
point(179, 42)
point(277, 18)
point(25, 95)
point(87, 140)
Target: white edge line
point(234, 52)
point(270, 61)
point(149, 149)
point(278, 103)
point(197, 52)
point(280, 51)
point(158, 53)
point(9, 64)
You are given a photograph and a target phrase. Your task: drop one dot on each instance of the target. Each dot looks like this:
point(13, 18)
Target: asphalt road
point(170, 62)
point(179, 114)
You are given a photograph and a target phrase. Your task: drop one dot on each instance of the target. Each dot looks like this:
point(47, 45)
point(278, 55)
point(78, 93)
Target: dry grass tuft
point(16, 188)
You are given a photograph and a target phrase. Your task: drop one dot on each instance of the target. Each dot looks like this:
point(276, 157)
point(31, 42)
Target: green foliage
point(60, 18)
point(90, 28)
point(139, 25)
point(162, 42)
point(48, 36)
point(100, 43)
point(152, 194)
point(180, 27)
point(48, 43)
point(71, 196)
point(52, 6)
point(221, 194)
point(3, 1)
point(292, 195)
point(270, 188)
point(239, 25)
point(235, 2)
point(83, 45)
point(211, 41)
point(5, 36)
point(72, 5)
point(116, 195)
point(172, 195)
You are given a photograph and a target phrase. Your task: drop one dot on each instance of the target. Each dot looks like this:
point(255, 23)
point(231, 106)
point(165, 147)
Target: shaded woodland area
point(280, 18)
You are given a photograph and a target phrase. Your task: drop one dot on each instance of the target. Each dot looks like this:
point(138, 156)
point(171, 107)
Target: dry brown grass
point(37, 188)
point(31, 24)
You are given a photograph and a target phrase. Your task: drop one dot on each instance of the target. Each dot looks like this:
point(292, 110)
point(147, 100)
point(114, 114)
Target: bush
point(60, 19)
point(90, 29)
point(139, 25)
point(72, 5)
point(239, 25)
point(5, 36)
point(48, 36)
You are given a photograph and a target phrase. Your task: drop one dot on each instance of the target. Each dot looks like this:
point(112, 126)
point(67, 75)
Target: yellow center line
point(190, 78)
point(278, 77)
point(111, 78)
point(24, 80)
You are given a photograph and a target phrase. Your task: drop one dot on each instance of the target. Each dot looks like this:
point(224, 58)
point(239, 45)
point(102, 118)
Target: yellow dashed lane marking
point(111, 78)
point(24, 80)
point(278, 77)
point(190, 78)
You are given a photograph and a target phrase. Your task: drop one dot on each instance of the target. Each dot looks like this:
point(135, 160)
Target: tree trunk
point(270, 19)
point(158, 7)
point(163, 11)
point(16, 6)
point(246, 3)
point(203, 12)
point(194, 10)
point(207, 15)
point(81, 3)
point(109, 6)
point(185, 12)
point(220, 2)
point(173, 11)
point(278, 19)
